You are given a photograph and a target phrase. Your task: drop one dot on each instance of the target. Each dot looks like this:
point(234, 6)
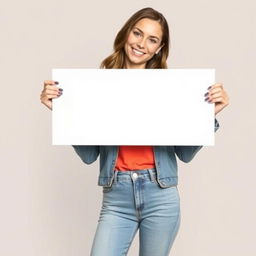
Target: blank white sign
point(133, 107)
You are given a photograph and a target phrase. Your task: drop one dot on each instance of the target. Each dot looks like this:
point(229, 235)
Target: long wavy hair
point(117, 58)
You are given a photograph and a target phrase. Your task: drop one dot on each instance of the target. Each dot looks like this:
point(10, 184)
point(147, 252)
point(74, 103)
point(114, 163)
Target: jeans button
point(134, 175)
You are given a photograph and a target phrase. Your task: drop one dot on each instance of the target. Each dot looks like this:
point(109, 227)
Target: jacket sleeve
point(187, 153)
point(88, 154)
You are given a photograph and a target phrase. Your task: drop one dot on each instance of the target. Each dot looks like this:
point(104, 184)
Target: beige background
point(49, 198)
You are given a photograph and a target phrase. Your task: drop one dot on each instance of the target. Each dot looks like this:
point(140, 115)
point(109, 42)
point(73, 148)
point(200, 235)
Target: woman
point(139, 182)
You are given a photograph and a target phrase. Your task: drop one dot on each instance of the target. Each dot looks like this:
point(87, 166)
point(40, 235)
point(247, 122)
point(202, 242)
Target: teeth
point(137, 52)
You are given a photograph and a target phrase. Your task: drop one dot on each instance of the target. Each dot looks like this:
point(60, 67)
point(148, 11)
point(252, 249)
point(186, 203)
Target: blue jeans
point(136, 201)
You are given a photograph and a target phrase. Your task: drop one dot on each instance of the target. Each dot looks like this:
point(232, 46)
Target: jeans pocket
point(106, 189)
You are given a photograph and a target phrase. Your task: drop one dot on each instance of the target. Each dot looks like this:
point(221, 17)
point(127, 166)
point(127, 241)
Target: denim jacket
point(165, 160)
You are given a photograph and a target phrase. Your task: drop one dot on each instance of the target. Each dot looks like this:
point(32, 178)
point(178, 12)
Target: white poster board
point(133, 107)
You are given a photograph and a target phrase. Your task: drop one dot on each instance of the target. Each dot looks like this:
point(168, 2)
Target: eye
point(153, 41)
point(136, 33)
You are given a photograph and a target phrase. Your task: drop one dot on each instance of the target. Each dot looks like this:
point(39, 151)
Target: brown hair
point(116, 59)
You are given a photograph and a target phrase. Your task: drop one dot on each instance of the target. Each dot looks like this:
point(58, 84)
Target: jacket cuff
point(216, 125)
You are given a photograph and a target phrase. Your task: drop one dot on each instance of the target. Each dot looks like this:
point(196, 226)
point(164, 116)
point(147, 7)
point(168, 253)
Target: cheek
point(131, 39)
point(152, 49)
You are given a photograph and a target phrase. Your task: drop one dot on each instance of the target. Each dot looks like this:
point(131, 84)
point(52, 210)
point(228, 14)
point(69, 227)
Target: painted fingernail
point(209, 87)
point(56, 82)
point(206, 94)
point(206, 98)
point(60, 89)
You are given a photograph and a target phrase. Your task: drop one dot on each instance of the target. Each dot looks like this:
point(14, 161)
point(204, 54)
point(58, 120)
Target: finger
point(216, 89)
point(53, 93)
point(50, 96)
point(50, 92)
point(219, 99)
point(216, 85)
point(54, 96)
point(50, 82)
point(215, 95)
point(51, 88)
point(213, 91)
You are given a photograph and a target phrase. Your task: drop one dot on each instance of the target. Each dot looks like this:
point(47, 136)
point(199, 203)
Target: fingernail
point(60, 89)
point(209, 87)
point(206, 99)
point(56, 82)
point(206, 93)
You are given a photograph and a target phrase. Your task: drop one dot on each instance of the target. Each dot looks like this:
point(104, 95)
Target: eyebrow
point(143, 33)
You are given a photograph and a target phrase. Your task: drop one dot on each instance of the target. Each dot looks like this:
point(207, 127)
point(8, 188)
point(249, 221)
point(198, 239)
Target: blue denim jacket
point(165, 160)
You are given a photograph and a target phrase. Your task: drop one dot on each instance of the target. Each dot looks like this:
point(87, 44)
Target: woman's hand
point(50, 91)
point(216, 94)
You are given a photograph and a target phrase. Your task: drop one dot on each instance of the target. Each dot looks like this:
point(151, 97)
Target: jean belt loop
point(151, 175)
point(115, 176)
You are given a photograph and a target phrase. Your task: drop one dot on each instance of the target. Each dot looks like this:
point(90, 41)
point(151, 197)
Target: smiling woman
point(143, 42)
point(139, 182)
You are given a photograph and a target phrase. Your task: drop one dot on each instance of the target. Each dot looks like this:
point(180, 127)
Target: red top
point(135, 157)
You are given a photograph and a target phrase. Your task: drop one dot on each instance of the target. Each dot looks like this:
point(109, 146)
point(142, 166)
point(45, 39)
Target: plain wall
point(50, 200)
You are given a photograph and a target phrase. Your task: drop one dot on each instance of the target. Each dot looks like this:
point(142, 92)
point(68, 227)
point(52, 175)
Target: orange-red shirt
point(135, 157)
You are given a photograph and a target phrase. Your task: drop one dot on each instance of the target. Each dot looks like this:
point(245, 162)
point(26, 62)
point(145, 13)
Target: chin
point(137, 62)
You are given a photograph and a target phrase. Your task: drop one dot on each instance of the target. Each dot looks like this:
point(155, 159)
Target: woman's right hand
point(49, 92)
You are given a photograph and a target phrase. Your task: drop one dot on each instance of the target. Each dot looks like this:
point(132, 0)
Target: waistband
point(134, 174)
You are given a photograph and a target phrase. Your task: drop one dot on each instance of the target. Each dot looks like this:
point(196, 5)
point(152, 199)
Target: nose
point(141, 43)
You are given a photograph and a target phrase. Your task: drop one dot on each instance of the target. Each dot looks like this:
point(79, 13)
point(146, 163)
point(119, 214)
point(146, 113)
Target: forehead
point(150, 27)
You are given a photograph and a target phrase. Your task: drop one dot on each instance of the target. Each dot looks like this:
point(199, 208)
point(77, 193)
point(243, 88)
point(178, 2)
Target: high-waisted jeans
point(136, 201)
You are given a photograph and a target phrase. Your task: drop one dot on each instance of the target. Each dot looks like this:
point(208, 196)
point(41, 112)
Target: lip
point(138, 50)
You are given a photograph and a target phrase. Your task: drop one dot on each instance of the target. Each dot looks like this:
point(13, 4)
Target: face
point(143, 42)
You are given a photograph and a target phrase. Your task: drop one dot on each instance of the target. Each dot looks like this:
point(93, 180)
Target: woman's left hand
point(216, 94)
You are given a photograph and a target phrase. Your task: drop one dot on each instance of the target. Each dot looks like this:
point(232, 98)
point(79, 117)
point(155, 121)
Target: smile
point(137, 53)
